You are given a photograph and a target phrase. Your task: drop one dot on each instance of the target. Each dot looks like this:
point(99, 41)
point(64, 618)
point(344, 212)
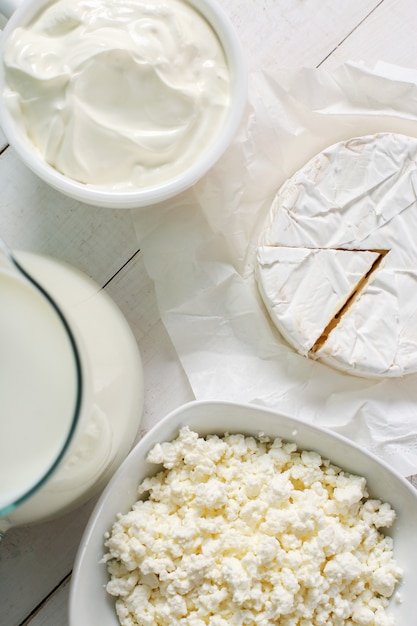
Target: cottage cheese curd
point(243, 530)
point(357, 195)
point(117, 93)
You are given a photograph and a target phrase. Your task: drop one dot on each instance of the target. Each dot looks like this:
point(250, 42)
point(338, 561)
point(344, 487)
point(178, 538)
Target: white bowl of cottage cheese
point(235, 514)
point(120, 103)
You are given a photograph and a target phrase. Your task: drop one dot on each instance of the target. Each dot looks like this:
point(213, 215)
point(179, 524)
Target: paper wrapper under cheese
point(199, 250)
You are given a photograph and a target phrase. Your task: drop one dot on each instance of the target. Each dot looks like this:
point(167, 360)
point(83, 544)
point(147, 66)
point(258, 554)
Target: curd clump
point(244, 530)
point(118, 94)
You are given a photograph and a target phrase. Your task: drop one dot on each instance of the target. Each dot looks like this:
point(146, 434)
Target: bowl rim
point(146, 196)
point(92, 541)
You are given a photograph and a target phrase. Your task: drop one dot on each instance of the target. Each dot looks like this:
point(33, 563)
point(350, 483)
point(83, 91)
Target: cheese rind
point(395, 331)
point(303, 289)
point(360, 194)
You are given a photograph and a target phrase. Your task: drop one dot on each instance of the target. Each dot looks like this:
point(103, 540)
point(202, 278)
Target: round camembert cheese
point(337, 261)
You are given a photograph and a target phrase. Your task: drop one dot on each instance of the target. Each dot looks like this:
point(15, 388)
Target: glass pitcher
point(71, 388)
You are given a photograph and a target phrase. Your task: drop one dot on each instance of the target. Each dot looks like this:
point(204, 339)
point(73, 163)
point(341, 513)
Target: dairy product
point(305, 288)
point(118, 94)
point(112, 390)
point(38, 386)
point(244, 530)
point(357, 195)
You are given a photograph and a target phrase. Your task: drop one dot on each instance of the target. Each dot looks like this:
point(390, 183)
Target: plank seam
point(120, 269)
point(350, 33)
point(41, 604)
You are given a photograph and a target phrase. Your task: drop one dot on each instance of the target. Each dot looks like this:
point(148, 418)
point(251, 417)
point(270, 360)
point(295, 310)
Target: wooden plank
point(166, 384)
point(54, 610)
point(47, 551)
point(3, 141)
point(293, 34)
point(388, 34)
point(36, 218)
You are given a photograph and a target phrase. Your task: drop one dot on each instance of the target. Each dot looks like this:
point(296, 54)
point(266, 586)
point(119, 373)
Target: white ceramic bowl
point(89, 601)
point(18, 139)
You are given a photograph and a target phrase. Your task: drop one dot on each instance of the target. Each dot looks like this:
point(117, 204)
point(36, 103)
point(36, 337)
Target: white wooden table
point(36, 561)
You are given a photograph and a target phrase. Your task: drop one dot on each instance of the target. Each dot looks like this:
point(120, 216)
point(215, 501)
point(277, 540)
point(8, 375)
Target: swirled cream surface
point(117, 93)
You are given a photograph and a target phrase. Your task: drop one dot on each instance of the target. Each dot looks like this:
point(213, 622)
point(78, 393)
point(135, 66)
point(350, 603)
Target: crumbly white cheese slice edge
point(304, 288)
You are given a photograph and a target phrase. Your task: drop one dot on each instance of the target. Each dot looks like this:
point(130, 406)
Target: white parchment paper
point(199, 248)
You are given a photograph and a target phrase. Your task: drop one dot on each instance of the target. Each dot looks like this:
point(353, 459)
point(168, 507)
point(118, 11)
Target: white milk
point(38, 386)
point(112, 391)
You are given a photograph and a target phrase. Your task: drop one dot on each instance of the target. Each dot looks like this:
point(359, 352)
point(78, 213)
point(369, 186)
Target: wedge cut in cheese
point(376, 313)
point(357, 196)
point(304, 289)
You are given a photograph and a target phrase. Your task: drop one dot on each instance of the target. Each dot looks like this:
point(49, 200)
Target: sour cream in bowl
point(235, 514)
point(120, 103)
